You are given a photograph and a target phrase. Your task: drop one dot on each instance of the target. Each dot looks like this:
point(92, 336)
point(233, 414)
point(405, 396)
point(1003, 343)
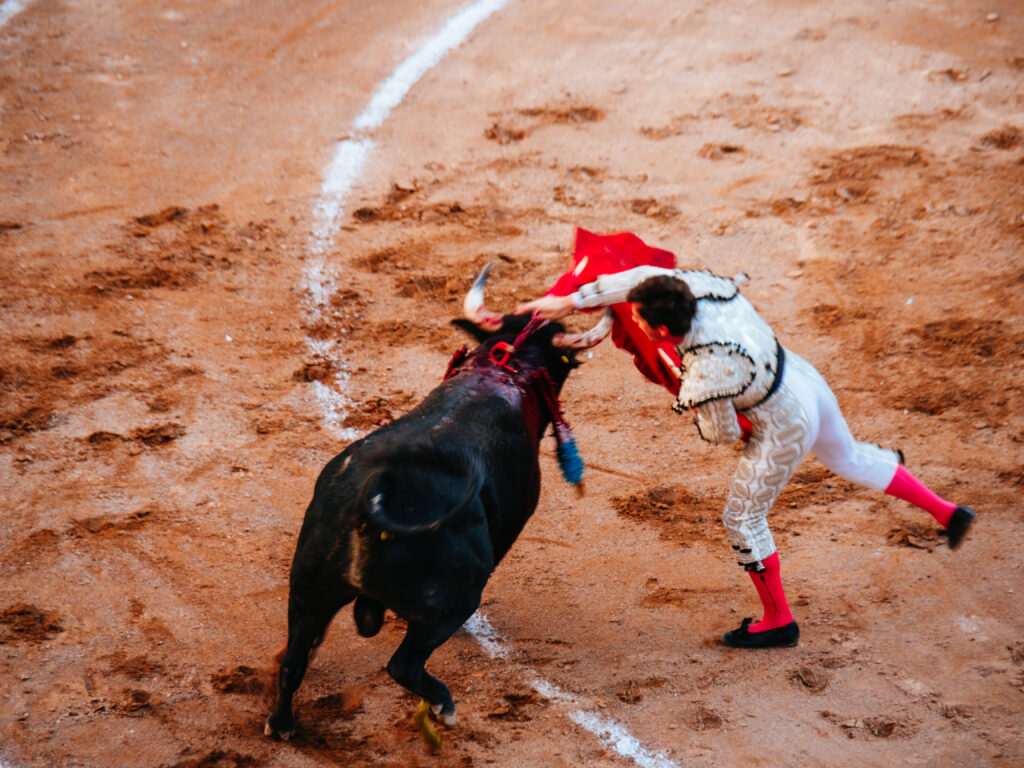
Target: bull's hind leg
point(306, 628)
point(406, 666)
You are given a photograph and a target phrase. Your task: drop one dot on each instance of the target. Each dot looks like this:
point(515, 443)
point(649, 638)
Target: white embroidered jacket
point(729, 357)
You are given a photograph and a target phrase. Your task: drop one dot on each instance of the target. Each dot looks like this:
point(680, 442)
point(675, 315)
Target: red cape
point(596, 255)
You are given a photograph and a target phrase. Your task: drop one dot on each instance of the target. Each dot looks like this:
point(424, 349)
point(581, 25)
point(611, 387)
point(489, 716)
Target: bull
point(415, 516)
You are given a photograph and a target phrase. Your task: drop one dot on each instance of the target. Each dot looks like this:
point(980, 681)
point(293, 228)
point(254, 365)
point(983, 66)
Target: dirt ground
point(161, 427)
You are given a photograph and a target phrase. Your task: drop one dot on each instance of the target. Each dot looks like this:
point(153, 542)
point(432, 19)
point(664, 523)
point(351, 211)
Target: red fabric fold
point(595, 255)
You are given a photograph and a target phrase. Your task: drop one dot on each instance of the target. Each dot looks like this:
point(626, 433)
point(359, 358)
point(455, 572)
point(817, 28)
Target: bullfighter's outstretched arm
point(613, 288)
point(603, 292)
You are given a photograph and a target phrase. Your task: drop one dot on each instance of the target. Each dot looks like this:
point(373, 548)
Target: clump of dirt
point(111, 525)
point(747, 111)
point(151, 437)
point(573, 114)
point(316, 370)
point(37, 544)
point(395, 333)
point(632, 691)
point(136, 703)
point(678, 126)
point(159, 434)
point(685, 598)
point(875, 727)
point(241, 679)
point(391, 259)
point(135, 667)
point(914, 534)
point(35, 418)
point(219, 758)
point(814, 484)
point(653, 209)
point(446, 287)
point(488, 219)
point(107, 281)
point(378, 411)
point(811, 679)
point(678, 516)
point(339, 706)
point(719, 151)
point(1007, 137)
point(517, 707)
point(702, 719)
point(151, 220)
point(848, 177)
point(965, 337)
point(517, 125)
point(25, 623)
point(1016, 653)
point(503, 135)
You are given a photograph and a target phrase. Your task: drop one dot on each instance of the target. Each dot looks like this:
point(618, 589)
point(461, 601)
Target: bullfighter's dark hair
point(665, 300)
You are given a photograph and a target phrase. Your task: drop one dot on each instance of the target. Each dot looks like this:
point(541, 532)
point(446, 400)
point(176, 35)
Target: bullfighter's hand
point(547, 307)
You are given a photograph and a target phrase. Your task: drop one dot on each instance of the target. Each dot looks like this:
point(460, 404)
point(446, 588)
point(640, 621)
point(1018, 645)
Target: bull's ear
point(472, 329)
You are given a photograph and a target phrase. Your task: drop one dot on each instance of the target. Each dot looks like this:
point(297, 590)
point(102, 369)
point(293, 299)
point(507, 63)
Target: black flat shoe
point(958, 525)
point(780, 637)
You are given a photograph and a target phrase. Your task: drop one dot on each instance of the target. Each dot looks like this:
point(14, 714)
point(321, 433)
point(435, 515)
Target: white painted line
point(344, 170)
point(610, 732)
point(350, 154)
point(8, 10)
point(393, 90)
point(346, 165)
point(342, 173)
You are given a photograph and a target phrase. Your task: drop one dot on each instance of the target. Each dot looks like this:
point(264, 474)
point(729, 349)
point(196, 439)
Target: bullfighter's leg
point(867, 464)
point(406, 665)
point(306, 628)
point(784, 430)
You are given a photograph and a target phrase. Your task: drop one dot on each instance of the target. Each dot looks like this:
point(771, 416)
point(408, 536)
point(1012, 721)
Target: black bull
point(415, 516)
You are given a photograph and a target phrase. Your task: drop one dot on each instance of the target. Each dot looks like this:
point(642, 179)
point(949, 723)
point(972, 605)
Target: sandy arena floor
point(162, 397)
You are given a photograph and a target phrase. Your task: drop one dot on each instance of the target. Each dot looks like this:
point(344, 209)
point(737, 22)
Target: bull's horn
point(587, 339)
point(473, 305)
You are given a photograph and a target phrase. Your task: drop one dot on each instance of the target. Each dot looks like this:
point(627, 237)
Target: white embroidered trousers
point(802, 417)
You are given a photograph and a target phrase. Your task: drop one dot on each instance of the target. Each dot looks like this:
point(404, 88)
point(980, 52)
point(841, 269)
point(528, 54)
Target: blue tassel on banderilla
point(569, 460)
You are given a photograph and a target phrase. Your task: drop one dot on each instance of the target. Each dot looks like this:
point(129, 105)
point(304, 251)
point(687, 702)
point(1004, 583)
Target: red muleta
point(596, 255)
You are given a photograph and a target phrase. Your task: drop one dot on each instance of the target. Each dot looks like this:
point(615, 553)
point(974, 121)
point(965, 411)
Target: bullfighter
point(730, 365)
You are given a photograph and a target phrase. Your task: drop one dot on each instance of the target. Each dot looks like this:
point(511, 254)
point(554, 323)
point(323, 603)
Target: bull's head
point(485, 324)
point(540, 353)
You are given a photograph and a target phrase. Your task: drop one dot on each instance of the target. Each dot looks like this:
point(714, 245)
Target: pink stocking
point(907, 487)
point(768, 584)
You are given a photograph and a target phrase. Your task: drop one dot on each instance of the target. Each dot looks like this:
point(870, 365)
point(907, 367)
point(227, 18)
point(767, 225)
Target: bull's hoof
point(424, 726)
point(282, 734)
point(448, 718)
